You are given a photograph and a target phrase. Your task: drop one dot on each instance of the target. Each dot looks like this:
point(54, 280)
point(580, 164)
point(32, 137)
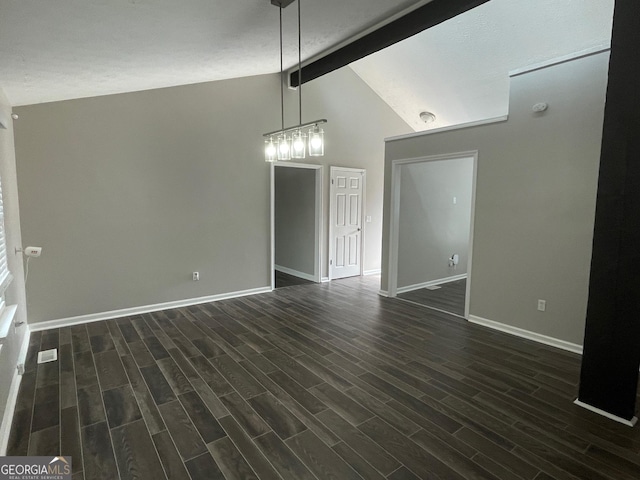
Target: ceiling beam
point(427, 16)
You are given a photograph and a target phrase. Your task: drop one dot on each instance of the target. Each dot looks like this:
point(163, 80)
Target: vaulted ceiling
point(459, 70)
point(63, 49)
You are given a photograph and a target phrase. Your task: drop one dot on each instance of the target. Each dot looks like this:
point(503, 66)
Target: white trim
point(318, 237)
point(126, 312)
point(522, 333)
point(394, 229)
point(431, 283)
point(448, 128)
point(272, 224)
point(12, 398)
point(383, 293)
point(325, 280)
point(628, 423)
point(6, 320)
point(564, 59)
point(363, 172)
point(472, 226)
point(376, 271)
point(295, 273)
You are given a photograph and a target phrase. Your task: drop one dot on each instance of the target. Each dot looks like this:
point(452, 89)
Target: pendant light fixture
point(293, 142)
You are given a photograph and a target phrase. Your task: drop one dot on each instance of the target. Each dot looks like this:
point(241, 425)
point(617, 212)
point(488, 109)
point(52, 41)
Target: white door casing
point(345, 227)
point(394, 241)
point(318, 218)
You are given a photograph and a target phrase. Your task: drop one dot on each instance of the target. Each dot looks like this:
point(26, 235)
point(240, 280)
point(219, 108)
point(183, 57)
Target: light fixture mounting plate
point(282, 3)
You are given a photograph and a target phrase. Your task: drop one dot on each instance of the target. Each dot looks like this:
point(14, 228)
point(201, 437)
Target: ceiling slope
point(459, 69)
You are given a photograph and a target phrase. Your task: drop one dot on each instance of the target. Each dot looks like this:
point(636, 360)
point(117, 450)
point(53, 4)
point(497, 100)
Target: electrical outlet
point(196, 276)
point(33, 251)
point(542, 305)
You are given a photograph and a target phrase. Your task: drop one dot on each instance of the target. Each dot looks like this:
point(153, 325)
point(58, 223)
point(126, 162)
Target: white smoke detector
point(427, 117)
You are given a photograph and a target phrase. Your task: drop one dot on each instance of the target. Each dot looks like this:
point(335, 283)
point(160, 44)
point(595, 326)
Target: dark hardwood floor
point(319, 381)
point(286, 280)
point(449, 297)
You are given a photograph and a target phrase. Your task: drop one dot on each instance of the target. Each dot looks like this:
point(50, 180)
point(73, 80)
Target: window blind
point(5, 275)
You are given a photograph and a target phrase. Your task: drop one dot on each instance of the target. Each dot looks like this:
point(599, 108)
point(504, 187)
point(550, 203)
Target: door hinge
point(330, 262)
point(332, 181)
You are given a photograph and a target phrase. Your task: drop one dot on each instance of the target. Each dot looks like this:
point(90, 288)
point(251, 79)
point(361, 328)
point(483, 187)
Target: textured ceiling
point(61, 49)
point(459, 69)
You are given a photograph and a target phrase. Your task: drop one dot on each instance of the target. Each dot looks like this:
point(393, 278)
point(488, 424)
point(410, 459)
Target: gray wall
point(295, 213)
point(15, 294)
point(128, 194)
point(535, 198)
point(358, 123)
point(431, 226)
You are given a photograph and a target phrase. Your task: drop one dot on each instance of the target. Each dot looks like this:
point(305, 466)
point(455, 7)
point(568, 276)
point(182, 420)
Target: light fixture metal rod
point(296, 127)
point(281, 75)
point(299, 63)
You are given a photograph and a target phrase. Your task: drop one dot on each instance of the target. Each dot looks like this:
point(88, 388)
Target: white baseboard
point(383, 293)
point(10, 407)
point(325, 280)
point(430, 283)
point(520, 332)
point(295, 273)
point(126, 312)
point(615, 418)
point(377, 271)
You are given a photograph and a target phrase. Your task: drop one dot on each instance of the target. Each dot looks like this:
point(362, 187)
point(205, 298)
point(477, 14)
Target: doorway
point(431, 241)
point(296, 224)
point(346, 235)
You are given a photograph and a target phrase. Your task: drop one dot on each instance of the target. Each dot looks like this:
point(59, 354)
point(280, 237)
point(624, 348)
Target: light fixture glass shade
point(270, 150)
point(284, 147)
point(316, 142)
point(298, 144)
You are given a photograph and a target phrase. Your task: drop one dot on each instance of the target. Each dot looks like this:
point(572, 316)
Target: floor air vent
point(46, 356)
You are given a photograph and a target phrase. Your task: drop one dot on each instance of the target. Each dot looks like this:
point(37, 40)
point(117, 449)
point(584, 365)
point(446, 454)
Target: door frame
point(332, 215)
point(317, 244)
point(394, 223)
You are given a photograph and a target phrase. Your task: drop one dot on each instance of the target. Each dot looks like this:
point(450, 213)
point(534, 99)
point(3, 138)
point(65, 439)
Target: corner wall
point(129, 194)
point(535, 198)
point(432, 227)
point(295, 219)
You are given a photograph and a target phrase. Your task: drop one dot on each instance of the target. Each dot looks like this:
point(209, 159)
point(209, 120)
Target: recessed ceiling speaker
point(427, 117)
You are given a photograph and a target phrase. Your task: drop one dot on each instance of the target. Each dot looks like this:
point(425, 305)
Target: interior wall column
point(609, 376)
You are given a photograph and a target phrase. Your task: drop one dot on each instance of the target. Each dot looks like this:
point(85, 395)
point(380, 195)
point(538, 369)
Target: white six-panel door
point(346, 223)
